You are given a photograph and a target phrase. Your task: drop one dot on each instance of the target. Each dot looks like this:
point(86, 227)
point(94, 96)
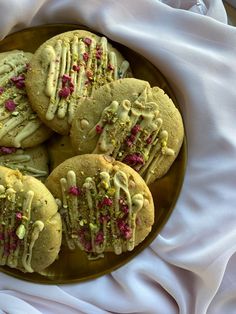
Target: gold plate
point(73, 266)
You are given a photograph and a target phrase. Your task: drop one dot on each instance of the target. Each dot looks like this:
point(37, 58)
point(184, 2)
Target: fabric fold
point(189, 267)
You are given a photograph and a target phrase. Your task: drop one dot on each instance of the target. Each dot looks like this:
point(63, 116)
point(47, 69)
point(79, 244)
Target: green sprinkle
point(93, 227)
point(20, 232)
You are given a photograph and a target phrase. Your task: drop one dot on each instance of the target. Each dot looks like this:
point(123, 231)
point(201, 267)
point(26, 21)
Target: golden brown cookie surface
point(132, 122)
point(30, 229)
point(19, 125)
point(105, 205)
point(67, 67)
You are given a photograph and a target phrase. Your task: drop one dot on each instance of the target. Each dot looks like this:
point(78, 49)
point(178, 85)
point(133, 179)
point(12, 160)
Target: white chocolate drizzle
point(20, 160)
point(120, 140)
point(18, 233)
point(20, 118)
point(97, 212)
point(87, 66)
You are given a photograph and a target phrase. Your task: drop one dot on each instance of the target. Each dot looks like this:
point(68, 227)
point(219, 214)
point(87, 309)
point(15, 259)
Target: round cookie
point(67, 67)
point(30, 229)
point(19, 125)
point(59, 149)
point(31, 161)
point(105, 205)
point(132, 122)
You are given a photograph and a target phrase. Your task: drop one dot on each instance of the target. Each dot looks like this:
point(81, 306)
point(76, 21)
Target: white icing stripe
point(72, 201)
point(14, 158)
point(90, 208)
point(37, 173)
point(16, 114)
point(11, 259)
point(19, 160)
point(17, 228)
point(7, 76)
point(53, 105)
point(10, 66)
point(119, 139)
point(50, 53)
point(93, 58)
point(38, 227)
point(69, 225)
point(11, 124)
point(27, 203)
point(28, 130)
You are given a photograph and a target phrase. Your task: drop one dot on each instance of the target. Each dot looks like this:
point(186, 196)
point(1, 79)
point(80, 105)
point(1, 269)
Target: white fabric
point(190, 267)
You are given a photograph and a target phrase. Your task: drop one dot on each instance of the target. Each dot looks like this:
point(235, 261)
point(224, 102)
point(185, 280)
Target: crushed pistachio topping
point(102, 215)
point(18, 232)
point(133, 134)
point(86, 64)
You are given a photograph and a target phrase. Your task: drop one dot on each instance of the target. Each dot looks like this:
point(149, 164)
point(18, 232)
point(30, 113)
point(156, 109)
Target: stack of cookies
point(81, 140)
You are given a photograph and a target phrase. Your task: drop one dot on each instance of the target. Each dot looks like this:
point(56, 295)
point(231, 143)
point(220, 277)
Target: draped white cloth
point(190, 267)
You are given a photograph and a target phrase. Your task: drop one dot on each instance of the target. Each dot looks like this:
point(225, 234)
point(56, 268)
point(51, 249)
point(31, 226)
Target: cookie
point(31, 161)
point(30, 229)
point(59, 149)
point(19, 124)
point(67, 67)
point(132, 122)
point(105, 205)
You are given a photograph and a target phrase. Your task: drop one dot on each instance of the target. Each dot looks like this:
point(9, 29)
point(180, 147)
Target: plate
point(73, 266)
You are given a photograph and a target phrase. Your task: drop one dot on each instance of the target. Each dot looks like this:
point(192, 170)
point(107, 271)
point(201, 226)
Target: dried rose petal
point(2, 236)
point(98, 54)
point(1, 90)
point(104, 218)
point(65, 78)
point(135, 129)
point(105, 202)
point(99, 237)
point(15, 79)
point(76, 68)
point(121, 224)
point(19, 81)
point(124, 228)
point(87, 41)
point(71, 87)
point(18, 215)
point(134, 159)
point(7, 150)
point(110, 67)
point(127, 233)
point(149, 140)
point(130, 140)
point(74, 190)
point(85, 56)
point(64, 92)
point(10, 105)
point(125, 209)
point(88, 246)
point(20, 84)
point(99, 129)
